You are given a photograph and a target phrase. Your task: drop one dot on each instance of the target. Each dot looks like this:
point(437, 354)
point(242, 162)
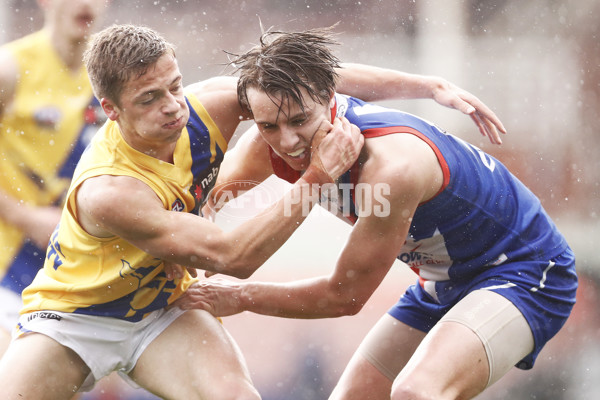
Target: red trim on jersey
point(354, 171)
point(333, 111)
point(376, 132)
point(352, 218)
point(282, 169)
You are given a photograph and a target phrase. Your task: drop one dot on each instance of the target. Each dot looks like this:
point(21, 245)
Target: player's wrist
point(245, 298)
point(315, 176)
point(316, 173)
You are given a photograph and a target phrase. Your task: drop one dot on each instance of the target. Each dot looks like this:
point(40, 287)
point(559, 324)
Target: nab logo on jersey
point(177, 205)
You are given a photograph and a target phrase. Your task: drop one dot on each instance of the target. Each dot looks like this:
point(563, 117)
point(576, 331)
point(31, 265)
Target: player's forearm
point(247, 247)
point(36, 223)
point(335, 147)
point(305, 299)
point(371, 83)
point(13, 211)
point(226, 190)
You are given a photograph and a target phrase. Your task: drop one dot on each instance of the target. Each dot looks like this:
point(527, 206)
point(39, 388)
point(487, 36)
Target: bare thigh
point(4, 340)
point(502, 329)
point(37, 367)
point(194, 358)
point(473, 345)
point(380, 357)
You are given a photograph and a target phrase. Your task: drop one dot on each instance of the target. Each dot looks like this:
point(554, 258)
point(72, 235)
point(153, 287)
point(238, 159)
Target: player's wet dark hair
point(286, 62)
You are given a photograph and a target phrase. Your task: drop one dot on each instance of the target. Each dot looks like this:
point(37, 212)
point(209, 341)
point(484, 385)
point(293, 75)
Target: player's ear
point(331, 100)
point(110, 109)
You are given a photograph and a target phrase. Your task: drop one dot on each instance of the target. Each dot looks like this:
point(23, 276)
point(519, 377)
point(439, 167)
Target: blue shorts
point(544, 292)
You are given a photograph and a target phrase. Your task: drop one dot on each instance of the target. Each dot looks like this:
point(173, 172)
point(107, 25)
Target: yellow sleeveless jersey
point(110, 277)
point(42, 136)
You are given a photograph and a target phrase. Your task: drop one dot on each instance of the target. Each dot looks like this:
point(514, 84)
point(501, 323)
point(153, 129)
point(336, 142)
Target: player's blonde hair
point(120, 52)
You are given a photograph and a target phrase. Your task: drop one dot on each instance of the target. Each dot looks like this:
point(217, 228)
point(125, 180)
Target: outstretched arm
point(371, 83)
point(362, 266)
point(126, 207)
point(372, 247)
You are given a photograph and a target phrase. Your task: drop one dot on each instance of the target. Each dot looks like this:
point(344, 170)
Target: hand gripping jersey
point(42, 136)
point(110, 277)
point(482, 216)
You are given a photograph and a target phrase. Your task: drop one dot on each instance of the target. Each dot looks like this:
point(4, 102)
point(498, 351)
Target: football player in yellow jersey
point(47, 115)
point(100, 302)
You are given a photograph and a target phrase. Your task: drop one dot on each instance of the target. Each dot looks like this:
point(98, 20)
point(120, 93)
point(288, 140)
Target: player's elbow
point(352, 308)
point(237, 267)
point(341, 307)
point(242, 272)
point(342, 299)
point(228, 257)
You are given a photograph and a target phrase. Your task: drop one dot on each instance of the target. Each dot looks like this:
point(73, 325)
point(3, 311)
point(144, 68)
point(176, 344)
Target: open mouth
point(85, 19)
point(296, 153)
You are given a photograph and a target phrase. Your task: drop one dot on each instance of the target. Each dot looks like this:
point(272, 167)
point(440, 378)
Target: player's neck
point(69, 50)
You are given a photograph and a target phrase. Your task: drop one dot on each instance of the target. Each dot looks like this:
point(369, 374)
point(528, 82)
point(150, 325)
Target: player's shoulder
point(9, 73)
point(102, 192)
point(399, 159)
point(218, 97)
point(22, 53)
point(220, 87)
point(29, 45)
point(8, 63)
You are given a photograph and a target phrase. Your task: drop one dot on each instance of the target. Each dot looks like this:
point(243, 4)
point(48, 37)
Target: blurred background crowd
point(535, 63)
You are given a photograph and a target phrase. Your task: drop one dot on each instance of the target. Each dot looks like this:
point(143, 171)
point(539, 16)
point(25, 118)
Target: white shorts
point(502, 329)
point(10, 305)
point(104, 344)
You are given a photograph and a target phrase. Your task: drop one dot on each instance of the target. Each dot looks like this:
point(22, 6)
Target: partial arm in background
point(36, 223)
point(371, 83)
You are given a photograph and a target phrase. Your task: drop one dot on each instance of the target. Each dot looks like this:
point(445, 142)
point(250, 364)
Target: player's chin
point(297, 163)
